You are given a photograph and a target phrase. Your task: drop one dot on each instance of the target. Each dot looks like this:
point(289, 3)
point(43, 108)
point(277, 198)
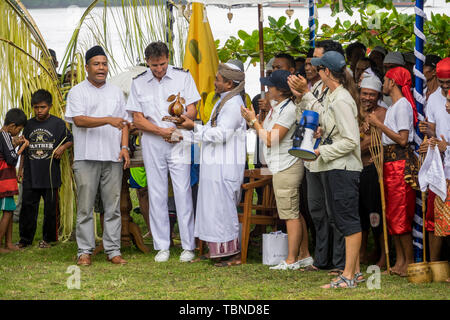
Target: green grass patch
point(41, 274)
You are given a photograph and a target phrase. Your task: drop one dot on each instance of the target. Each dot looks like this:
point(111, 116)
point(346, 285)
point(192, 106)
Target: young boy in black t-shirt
point(49, 138)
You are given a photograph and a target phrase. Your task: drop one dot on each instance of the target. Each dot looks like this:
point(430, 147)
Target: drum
point(419, 273)
point(440, 271)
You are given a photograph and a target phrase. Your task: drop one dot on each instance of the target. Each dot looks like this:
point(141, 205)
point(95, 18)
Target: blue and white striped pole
point(312, 25)
point(418, 228)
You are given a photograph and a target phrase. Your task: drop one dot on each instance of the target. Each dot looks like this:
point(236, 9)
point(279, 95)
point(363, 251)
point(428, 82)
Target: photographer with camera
point(276, 134)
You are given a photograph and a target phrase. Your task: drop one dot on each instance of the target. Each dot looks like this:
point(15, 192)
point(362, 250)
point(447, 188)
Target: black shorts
point(343, 193)
point(369, 197)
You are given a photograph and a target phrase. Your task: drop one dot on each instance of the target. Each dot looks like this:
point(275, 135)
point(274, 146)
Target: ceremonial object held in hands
point(176, 109)
point(376, 152)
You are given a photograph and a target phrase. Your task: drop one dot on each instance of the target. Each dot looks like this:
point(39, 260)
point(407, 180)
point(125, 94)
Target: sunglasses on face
point(318, 68)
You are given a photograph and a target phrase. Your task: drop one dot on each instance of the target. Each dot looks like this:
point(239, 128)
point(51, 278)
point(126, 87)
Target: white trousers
point(159, 160)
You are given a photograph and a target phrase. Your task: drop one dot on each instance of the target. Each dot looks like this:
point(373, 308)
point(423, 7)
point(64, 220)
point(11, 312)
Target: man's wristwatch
point(252, 123)
point(125, 147)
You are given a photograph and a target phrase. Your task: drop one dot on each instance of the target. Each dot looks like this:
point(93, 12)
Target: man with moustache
point(369, 188)
point(96, 109)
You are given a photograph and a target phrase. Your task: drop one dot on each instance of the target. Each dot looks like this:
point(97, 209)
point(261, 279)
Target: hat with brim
point(277, 79)
point(332, 60)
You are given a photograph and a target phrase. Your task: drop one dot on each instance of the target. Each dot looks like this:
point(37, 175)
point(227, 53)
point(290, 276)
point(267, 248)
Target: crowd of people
point(336, 197)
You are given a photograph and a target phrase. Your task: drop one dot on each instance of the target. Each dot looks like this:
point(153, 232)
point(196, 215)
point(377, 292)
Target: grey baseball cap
point(333, 60)
point(394, 58)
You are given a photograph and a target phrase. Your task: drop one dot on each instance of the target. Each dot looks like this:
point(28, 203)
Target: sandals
point(44, 245)
point(335, 272)
point(359, 277)
point(349, 283)
point(228, 263)
point(310, 268)
point(200, 258)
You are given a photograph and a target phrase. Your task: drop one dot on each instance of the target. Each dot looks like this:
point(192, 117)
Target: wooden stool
point(267, 207)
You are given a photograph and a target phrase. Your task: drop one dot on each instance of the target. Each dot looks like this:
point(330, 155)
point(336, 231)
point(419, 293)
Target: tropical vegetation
point(387, 28)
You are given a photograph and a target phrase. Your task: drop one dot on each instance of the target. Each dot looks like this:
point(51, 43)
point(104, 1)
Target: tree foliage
point(391, 29)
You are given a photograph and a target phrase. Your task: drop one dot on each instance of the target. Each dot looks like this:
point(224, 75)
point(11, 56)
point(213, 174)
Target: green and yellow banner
point(201, 55)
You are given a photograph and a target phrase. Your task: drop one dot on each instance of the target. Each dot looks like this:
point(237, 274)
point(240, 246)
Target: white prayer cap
point(233, 66)
point(237, 63)
point(371, 82)
point(368, 73)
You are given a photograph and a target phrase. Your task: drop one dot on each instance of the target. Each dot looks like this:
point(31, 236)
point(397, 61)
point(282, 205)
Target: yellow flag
point(201, 55)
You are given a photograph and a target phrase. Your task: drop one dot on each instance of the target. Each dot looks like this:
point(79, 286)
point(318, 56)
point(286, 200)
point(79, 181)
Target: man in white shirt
point(148, 103)
point(436, 101)
point(437, 127)
point(96, 109)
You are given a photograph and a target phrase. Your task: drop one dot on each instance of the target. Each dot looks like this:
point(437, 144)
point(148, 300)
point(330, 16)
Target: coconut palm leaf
point(26, 66)
point(134, 24)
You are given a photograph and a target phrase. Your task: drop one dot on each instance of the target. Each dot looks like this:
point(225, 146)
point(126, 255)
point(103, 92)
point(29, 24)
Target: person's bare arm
point(143, 124)
point(93, 122)
point(60, 150)
point(191, 111)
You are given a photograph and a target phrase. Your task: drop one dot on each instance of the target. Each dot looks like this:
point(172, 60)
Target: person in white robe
point(222, 165)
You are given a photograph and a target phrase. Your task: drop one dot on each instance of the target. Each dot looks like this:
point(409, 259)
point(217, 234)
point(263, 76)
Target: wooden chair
point(265, 213)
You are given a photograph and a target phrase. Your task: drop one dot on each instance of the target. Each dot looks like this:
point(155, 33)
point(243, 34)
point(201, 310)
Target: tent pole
point(261, 53)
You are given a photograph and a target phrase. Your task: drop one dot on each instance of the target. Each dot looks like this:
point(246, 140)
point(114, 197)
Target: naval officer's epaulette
point(141, 74)
point(181, 69)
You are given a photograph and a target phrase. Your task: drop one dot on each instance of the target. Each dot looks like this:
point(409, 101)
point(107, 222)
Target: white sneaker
point(284, 266)
point(162, 256)
point(303, 263)
point(187, 255)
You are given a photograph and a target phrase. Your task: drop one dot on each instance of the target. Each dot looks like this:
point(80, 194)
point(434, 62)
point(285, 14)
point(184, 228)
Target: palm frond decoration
point(133, 24)
point(26, 66)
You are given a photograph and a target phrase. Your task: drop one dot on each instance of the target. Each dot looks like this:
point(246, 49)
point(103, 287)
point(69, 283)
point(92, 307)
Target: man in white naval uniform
point(148, 103)
point(222, 165)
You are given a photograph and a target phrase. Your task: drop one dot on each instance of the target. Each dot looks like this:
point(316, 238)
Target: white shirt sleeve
point(75, 105)
point(404, 115)
point(123, 104)
point(190, 89)
point(288, 116)
point(133, 104)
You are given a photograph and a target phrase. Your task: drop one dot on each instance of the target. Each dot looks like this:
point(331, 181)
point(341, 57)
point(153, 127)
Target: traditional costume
point(222, 164)
point(400, 163)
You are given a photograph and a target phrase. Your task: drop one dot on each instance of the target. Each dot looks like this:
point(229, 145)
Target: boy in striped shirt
point(15, 121)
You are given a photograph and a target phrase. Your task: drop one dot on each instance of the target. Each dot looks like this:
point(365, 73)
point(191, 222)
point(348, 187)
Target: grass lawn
point(41, 274)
